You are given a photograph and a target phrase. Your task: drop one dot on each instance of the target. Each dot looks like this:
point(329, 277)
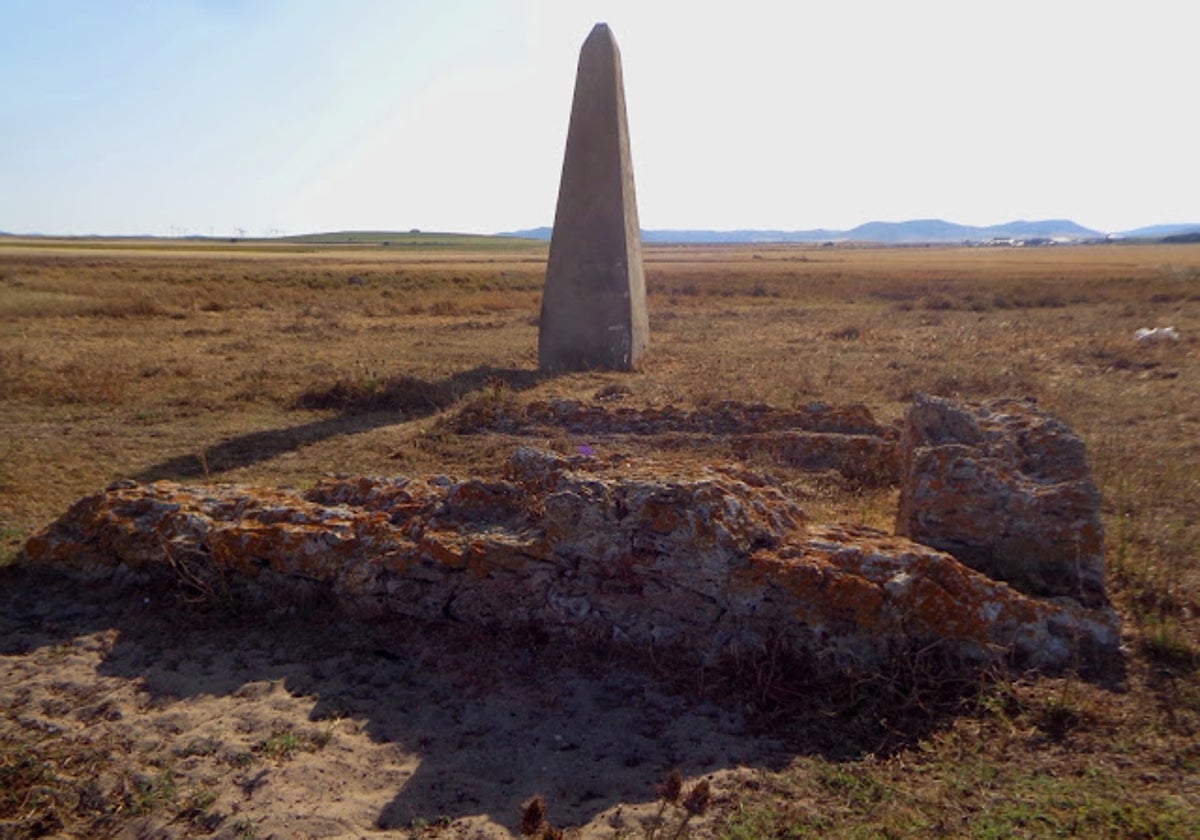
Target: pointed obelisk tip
point(601, 30)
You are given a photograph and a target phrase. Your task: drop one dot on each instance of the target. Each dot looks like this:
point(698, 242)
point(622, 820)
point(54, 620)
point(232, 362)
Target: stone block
point(1005, 488)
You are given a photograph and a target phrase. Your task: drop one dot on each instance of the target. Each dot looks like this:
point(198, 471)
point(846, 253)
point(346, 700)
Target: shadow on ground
point(483, 721)
point(470, 723)
point(361, 406)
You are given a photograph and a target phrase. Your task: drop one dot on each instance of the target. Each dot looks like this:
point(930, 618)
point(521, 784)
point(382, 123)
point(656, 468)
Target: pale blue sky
point(206, 116)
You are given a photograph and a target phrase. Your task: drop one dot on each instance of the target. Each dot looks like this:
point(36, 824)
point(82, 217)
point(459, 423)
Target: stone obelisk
point(594, 299)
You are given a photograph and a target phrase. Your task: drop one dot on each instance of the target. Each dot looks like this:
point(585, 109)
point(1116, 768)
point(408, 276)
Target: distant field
point(276, 362)
point(413, 240)
point(418, 239)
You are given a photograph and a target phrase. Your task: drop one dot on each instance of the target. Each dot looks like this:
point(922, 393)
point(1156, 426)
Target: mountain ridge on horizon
point(910, 232)
point(913, 231)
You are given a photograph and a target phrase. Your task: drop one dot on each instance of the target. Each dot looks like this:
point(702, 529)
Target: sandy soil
point(297, 723)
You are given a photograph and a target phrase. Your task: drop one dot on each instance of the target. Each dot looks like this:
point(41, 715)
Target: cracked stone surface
point(1005, 488)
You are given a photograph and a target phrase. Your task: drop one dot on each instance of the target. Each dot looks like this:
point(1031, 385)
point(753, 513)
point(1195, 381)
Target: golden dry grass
point(211, 362)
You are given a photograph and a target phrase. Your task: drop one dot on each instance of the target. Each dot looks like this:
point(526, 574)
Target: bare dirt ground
point(307, 726)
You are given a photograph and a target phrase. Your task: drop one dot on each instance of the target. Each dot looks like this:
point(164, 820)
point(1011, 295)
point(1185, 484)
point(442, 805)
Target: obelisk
point(594, 298)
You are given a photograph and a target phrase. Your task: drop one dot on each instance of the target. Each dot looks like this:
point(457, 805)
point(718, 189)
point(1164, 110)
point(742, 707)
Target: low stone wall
point(813, 437)
point(608, 548)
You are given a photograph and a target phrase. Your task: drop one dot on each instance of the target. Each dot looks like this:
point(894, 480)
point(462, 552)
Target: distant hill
point(1161, 231)
point(536, 233)
point(889, 233)
point(721, 236)
point(936, 230)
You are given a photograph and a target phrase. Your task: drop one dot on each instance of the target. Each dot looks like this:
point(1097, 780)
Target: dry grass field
point(271, 363)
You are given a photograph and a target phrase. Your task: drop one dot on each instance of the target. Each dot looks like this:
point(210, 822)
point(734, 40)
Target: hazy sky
point(206, 116)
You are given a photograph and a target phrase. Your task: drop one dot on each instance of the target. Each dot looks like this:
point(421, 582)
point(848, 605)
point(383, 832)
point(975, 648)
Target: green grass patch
point(152, 793)
point(844, 801)
point(283, 744)
point(10, 544)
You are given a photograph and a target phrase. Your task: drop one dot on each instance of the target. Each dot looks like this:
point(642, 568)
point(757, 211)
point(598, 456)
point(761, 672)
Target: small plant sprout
point(694, 803)
point(534, 823)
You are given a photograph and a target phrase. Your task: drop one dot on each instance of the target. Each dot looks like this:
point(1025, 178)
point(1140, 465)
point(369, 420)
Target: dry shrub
point(967, 383)
point(134, 307)
point(847, 333)
point(533, 816)
point(445, 307)
point(90, 381)
point(402, 393)
point(483, 302)
point(486, 412)
point(35, 303)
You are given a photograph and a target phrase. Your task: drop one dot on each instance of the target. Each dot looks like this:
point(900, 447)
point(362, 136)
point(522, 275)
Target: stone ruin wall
point(998, 557)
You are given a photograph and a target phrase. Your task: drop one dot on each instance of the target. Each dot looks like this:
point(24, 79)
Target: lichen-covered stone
point(1006, 489)
point(605, 548)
